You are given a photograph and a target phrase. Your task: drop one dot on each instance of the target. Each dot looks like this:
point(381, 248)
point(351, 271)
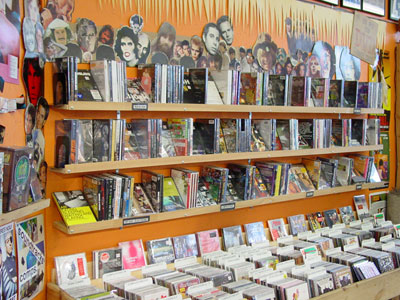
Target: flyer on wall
point(31, 257)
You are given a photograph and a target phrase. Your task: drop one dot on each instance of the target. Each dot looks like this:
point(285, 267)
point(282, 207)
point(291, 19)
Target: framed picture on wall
point(376, 7)
point(394, 10)
point(355, 4)
point(334, 2)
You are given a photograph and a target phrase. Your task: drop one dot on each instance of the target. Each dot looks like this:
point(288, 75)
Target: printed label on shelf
point(310, 194)
point(135, 220)
point(227, 206)
point(358, 186)
point(357, 111)
point(140, 106)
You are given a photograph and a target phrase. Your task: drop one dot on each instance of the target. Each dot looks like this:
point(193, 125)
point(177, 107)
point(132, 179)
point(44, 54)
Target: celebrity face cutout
point(40, 117)
point(60, 35)
point(166, 42)
point(127, 47)
point(211, 40)
point(226, 32)
point(105, 37)
point(142, 45)
point(87, 38)
point(195, 51)
point(34, 84)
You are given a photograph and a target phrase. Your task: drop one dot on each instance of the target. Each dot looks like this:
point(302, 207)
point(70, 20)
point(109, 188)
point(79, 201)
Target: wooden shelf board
point(113, 224)
point(23, 211)
point(383, 286)
point(209, 158)
point(127, 106)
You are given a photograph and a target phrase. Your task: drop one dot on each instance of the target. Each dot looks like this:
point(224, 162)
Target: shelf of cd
point(24, 211)
point(384, 286)
point(120, 223)
point(208, 158)
point(184, 107)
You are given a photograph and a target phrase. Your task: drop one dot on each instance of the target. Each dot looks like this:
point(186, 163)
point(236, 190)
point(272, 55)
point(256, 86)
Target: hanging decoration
point(267, 16)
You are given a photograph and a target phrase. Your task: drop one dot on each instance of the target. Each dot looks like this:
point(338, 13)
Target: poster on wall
point(31, 257)
point(10, 27)
point(9, 269)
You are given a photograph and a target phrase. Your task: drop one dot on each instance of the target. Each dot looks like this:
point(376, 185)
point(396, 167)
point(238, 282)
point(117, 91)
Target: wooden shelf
point(383, 286)
point(119, 223)
point(23, 211)
point(208, 158)
point(164, 107)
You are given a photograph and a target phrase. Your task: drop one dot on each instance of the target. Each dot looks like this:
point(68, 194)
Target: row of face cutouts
point(49, 34)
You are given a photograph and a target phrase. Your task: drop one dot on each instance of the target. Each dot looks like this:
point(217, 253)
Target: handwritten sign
point(363, 38)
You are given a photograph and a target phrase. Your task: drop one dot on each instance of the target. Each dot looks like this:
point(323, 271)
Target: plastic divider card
point(350, 247)
point(186, 261)
point(355, 223)
point(154, 267)
point(192, 290)
point(285, 239)
point(339, 226)
point(285, 249)
point(285, 264)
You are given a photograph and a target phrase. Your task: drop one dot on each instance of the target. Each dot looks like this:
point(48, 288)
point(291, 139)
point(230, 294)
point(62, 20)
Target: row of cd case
point(83, 141)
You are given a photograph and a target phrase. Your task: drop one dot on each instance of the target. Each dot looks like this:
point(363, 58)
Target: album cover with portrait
point(8, 261)
point(31, 257)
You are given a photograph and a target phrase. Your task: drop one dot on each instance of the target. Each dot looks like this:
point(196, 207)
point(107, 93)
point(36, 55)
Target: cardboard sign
point(363, 38)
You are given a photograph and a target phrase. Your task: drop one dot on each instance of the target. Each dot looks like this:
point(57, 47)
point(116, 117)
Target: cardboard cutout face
point(57, 9)
point(29, 34)
point(196, 47)
point(42, 113)
point(143, 47)
point(33, 79)
point(211, 36)
point(327, 59)
point(106, 35)
point(347, 65)
point(313, 67)
point(165, 41)
point(30, 118)
point(136, 23)
point(265, 53)
point(59, 31)
point(86, 32)
point(32, 10)
point(125, 46)
point(226, 29)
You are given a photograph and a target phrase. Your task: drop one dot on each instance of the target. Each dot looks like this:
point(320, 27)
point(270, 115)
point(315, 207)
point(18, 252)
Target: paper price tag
point(357, 111)
point(310, 194)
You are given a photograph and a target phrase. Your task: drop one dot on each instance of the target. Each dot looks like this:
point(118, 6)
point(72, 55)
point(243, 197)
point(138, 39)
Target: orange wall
point(58, 243)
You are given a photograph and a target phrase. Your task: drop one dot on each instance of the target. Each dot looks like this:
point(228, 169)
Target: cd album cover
point(31, 257)
point(132, 254)
point(8, 260)
point(185, 246)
